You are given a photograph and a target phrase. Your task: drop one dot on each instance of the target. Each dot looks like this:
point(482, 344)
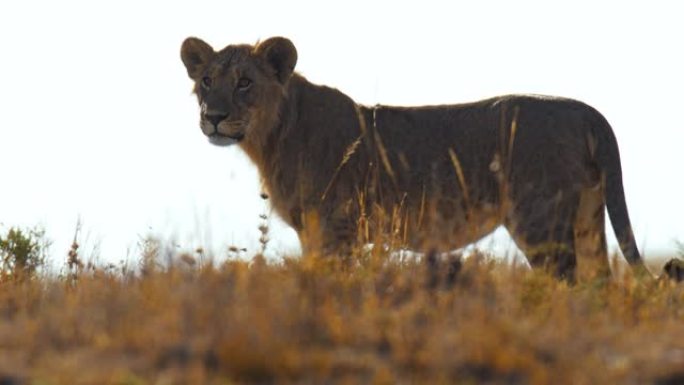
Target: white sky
point(97, 119)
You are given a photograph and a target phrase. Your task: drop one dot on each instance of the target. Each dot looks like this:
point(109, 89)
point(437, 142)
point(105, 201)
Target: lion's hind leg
point(590, 234)
point(544, 230)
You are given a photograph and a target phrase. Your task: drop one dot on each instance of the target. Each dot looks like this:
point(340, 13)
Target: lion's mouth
point(219, 139)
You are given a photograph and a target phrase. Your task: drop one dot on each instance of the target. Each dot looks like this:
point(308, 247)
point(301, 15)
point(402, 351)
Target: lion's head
point(239, 88)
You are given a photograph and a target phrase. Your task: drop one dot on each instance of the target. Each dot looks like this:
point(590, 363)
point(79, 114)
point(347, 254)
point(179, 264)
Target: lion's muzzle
point(215, 119)
point(220, 130)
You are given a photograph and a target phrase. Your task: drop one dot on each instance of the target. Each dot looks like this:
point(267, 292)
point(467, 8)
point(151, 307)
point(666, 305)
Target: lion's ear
point(195, 54)
point(281, 54)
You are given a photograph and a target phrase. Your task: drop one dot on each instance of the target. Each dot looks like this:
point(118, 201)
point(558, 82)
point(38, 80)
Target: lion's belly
point(451, 229)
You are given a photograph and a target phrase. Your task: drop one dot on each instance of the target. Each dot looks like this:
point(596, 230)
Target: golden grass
point(311, 320)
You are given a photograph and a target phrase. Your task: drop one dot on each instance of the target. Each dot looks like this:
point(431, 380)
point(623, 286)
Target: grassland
point(374, 319)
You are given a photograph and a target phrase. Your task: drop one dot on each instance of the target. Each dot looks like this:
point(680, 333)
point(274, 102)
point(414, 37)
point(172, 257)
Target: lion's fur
point(543, 167)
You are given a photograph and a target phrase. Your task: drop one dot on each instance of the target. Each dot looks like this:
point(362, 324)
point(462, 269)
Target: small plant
point(22, 253)
point(235, 252)
point(263, 226)
point(150, 253)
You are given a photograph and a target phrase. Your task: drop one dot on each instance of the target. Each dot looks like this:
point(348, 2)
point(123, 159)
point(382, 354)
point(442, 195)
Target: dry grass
point(378, 320)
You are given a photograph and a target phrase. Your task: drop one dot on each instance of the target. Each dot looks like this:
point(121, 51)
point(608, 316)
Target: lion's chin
point(225, 140)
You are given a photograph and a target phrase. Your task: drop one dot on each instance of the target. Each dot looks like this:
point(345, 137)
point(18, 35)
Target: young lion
point(544, 167)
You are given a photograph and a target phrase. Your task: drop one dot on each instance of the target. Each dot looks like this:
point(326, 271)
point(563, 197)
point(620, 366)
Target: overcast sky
point(97, 119)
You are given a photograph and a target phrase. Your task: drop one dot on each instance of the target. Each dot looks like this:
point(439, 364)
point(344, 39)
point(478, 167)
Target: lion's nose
point(215, 119)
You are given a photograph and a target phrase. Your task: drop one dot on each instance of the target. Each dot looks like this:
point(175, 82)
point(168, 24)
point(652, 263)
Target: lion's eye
point(244, 83)
point(206, 82)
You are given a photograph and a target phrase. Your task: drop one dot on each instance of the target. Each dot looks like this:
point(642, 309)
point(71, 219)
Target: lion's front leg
point(333, 234)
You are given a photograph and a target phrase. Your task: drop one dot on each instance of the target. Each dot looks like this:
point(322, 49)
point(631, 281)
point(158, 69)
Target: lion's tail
point(608, 158)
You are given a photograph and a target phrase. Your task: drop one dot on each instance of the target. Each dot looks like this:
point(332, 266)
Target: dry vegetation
point(372, 319)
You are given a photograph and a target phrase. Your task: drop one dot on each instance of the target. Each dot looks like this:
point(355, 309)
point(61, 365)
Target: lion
point(546, 168)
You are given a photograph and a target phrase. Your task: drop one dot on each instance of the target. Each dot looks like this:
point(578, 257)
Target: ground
point(373, 319)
